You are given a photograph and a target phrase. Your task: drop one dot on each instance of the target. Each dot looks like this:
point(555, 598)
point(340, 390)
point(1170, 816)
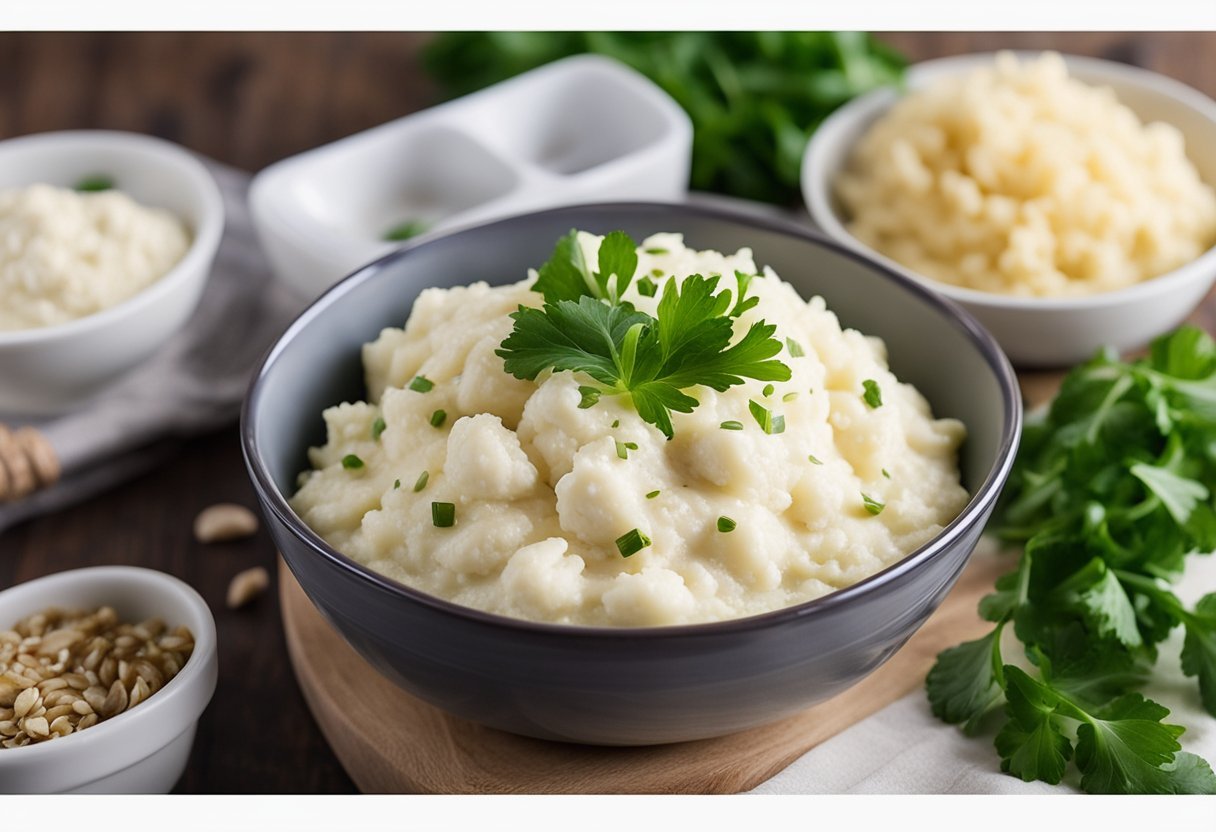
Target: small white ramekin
point(51, 369)
point(1041, 332)
point(143, 750)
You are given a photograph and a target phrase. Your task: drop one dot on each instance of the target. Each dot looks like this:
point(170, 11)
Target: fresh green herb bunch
point(754, 97)
point(1111, 491)
point(586, 326)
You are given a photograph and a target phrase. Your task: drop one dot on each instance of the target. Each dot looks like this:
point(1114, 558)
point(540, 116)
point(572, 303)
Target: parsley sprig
point(585, 326)
point(1111, 491)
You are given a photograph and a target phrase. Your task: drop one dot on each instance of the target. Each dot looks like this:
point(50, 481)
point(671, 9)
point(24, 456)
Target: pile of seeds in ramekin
point(66, 671)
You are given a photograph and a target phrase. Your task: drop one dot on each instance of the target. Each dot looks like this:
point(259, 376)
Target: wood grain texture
point(250, 99)
point(389, 741)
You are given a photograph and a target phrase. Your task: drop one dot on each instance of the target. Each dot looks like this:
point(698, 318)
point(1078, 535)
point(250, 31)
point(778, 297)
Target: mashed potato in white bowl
point(1067, 206)
point(503, 494)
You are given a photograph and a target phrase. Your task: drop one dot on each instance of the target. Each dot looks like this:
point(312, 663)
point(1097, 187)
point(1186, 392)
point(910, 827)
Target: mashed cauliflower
point(1021, 180)
point(65, 255)
point(541, 493)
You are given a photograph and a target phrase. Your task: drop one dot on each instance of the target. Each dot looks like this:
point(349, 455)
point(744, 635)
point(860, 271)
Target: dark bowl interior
point(621, 686)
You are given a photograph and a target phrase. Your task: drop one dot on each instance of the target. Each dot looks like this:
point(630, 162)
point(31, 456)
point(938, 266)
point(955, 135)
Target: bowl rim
point(984, 497)
point(817, 183)
point(193, 672)
point(205, 239)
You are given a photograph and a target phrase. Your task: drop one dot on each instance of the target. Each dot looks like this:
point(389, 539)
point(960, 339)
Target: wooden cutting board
point(389, 741)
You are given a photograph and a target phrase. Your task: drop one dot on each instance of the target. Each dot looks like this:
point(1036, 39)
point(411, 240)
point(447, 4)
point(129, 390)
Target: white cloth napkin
point(193, 385)
point(904, 749)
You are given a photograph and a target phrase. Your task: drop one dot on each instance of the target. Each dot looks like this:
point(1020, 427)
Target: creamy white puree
point(65, 255)
point(541, 495)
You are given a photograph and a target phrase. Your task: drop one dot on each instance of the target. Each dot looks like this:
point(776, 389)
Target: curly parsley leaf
point(653, 360)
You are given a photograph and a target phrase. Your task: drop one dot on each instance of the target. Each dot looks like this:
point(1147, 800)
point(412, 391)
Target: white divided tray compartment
point(584, 129)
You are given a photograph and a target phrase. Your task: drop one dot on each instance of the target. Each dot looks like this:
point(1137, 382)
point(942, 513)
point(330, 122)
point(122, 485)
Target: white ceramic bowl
point(52, 369)
point(143, 750)
point(1040, 331)
point(583, 129)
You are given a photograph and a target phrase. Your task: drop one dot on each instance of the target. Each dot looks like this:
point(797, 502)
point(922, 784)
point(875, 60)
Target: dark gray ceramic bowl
point(627, 686)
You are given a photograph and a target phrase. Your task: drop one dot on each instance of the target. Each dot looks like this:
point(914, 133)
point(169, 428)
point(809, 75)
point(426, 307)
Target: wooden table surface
point(250, 99)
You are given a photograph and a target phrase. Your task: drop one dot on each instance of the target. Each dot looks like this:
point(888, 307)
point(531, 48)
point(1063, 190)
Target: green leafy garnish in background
point(584, 326)
point(1111, 491)
point(754, 97)
point(405, 230)
point(94, 184)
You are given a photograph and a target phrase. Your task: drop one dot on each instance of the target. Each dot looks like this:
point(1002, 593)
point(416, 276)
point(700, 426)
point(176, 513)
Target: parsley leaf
point(584, 327)
point(584, 335)
point(963, 684)
point(567, 276)
point(1199, 649)
point(1122, 748)
point(1032, 744)
point(1104, 602)
point(1129, 750)
point(1178, 494)
point(1112, 489)
point(618, 260)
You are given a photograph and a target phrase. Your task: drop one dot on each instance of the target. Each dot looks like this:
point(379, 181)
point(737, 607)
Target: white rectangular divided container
point(584, 129)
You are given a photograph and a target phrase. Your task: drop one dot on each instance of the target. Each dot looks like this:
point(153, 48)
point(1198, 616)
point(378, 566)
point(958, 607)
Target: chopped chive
point(590, 395)
point(814, 459)
point(652, 494)
point(443, 515)
point(616, 423)
point(396, 484)
point(873, 393)
point(405, 230)
point(420, 483)
point(768, 390)
point(886, 473)
point(631, 542)
point(623, 448)
point(646, 286)
point(725, 525)
point(421, 384)
point(350, 462)
point(94, 184)
point(769, 422)
point(656, 251)
point(789, 397)
point(872, 505)
point(378, 427)
point(656, 272)
point(438, 418)
point(731, 425)
point(794, 347)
